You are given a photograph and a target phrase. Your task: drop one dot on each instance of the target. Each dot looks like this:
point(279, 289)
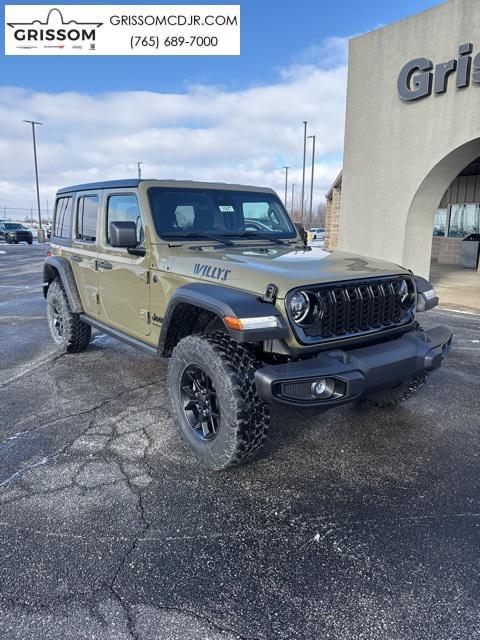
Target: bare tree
point(318, 215)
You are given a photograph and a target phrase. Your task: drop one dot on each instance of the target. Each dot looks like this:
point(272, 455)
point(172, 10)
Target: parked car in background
point(15, 232)
point(317, 233)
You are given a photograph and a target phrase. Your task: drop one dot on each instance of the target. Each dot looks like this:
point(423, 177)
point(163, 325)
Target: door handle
point(77, 258)
point(102, 264)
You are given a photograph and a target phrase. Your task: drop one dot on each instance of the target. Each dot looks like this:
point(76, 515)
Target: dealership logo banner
point(117, 30)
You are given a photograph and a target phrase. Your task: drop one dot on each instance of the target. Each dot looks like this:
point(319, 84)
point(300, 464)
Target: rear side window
point(87, 213)
point(124, 208)
point(62, 223)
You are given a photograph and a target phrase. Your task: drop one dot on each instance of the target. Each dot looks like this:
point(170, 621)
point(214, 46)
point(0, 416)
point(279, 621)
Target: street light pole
point(286, 184)
point(33, 123)
point(311, 182)
point(304, 160)
point(293, 198)
point(139, 169)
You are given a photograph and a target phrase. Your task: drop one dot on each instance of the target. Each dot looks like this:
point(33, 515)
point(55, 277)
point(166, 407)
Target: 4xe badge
point(54, 32)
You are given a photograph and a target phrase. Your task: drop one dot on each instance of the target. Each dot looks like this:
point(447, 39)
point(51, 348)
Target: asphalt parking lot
point(356, 524)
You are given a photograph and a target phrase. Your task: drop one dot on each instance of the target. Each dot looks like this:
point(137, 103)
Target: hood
point(253, 268)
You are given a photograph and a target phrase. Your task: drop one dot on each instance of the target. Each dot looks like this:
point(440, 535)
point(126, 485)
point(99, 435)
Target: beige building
point(412, 140)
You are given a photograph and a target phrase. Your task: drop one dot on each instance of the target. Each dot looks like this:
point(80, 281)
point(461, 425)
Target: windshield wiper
point(262, 236)
point(200, 235)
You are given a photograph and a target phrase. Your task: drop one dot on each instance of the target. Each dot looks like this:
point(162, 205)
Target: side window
point(62, 222)
point(124, 208)
point(87, 212)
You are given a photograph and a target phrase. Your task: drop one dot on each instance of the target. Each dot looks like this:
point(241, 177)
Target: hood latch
point(270, 294)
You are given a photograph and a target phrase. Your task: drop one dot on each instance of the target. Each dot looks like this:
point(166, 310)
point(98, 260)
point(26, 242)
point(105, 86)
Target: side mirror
point(301, 230)
point(123, 234)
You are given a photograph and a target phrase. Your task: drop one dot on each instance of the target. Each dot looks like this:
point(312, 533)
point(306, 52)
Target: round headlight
point(299, 306)
point(407, 294)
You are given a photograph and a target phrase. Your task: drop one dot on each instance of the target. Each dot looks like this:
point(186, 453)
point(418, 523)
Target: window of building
point(87, 213)
point(124, 208)
point(62, 221)
point(464, 220)
point(440, 222)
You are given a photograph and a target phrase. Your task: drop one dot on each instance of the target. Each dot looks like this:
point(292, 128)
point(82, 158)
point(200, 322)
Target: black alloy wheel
point(57, 319)
point(200, 402)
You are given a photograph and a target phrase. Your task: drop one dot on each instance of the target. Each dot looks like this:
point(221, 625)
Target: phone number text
point(155, 42)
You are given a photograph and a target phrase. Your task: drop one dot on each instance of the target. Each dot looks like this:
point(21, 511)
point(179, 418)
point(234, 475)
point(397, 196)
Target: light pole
point(139, 169)
point(33, 123)
point(293, 198)
point(286, 184)
point(311, 182)
point(304, 160)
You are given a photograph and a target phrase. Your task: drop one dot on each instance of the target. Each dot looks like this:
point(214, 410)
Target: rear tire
point(67, 330)
point(237, 420)
point(395, 395)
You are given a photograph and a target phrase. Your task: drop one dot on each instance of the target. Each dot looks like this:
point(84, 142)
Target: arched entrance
point(418, 234)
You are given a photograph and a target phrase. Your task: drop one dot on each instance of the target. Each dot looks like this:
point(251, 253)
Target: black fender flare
point(54, 265)
point(223, 301)
point(426, 297)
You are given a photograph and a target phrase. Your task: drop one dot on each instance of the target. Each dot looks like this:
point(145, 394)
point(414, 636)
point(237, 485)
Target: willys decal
point(207, 271)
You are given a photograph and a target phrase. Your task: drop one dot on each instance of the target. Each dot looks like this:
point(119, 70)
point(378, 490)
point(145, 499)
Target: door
point(123, 277)
point(83, 252)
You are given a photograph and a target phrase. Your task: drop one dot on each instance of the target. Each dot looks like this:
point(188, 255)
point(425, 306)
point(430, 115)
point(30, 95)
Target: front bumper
point(20, 237)
point(355, 372)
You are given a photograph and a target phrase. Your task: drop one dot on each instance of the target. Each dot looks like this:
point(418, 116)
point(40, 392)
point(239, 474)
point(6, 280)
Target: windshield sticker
point(226, 208)
point(207, 271)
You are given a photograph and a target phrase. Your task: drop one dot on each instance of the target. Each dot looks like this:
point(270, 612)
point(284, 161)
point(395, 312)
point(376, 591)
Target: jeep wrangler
point(217, 278)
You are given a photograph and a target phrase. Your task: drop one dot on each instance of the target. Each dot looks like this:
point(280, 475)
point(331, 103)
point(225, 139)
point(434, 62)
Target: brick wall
point(332, 219)
point(446, 250)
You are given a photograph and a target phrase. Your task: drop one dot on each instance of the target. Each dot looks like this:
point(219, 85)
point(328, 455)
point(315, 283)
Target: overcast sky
point(203, 133)
point(226, 119)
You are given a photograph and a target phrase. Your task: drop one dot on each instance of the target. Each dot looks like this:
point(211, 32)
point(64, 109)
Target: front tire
point(67, 330)
point(395, 395)
point(215, 405)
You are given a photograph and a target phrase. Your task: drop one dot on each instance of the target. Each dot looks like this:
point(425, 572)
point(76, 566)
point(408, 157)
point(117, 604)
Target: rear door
point(123, 277)
point(83, 253)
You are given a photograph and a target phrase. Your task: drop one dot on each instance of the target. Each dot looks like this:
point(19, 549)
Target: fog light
point(323, 388)
point(320, 387)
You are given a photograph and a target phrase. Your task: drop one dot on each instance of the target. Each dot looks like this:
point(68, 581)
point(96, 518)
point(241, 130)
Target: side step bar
point(133, 342)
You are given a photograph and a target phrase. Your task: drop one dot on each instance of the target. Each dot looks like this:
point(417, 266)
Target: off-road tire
point(244, 417)
point(395, 395)
point(75, 335)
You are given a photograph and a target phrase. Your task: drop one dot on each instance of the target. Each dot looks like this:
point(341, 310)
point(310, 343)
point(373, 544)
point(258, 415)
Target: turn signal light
point(243, 324)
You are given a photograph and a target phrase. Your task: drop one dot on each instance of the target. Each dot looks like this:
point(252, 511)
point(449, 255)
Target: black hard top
point(133, 183)
point(107, 184)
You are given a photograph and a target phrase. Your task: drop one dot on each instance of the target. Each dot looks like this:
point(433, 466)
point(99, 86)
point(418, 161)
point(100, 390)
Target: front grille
point(352, 308)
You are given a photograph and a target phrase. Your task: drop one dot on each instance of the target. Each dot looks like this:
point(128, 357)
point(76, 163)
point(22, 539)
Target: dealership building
point(409, 191)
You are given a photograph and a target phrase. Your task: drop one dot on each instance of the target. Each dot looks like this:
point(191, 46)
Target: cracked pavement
point(356, 523)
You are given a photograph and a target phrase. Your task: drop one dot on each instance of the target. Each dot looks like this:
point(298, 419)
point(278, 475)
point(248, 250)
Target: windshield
point(13, 227)
point(218, 212)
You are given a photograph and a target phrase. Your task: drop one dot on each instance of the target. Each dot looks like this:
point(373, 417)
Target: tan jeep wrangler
point(218, 279)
